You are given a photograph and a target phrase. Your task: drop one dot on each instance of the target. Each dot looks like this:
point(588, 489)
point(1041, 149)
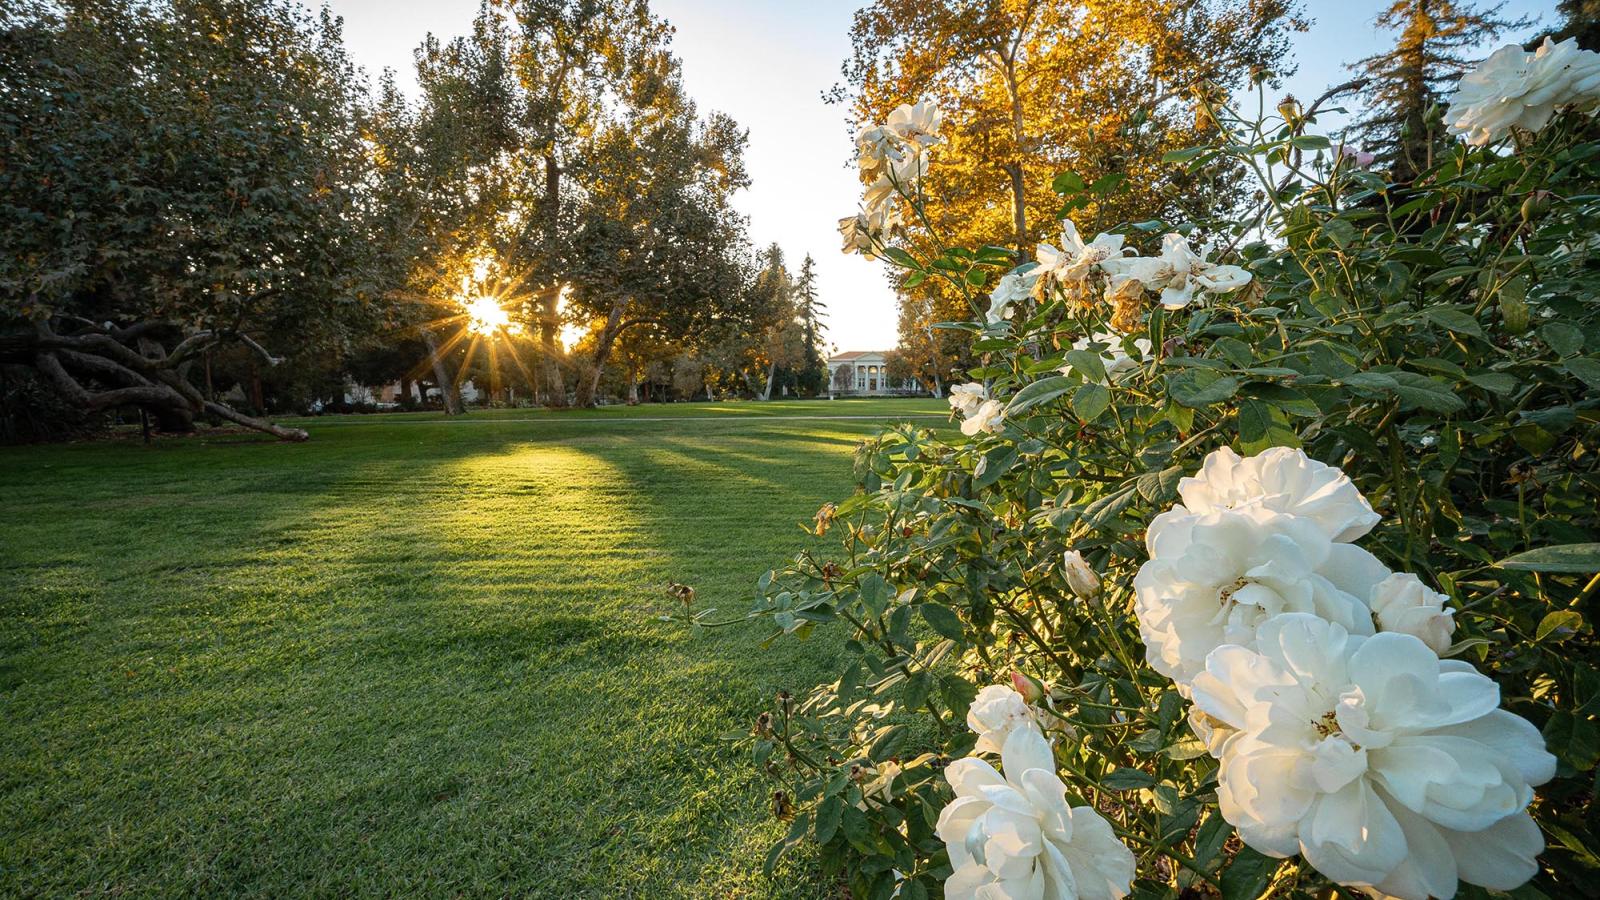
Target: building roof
point(855, 355)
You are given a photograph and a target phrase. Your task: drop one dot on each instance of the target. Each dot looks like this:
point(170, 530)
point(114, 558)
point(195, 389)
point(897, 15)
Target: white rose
point(1281, 479)
point(1014, 287)
point(1404, 604)
point(1075, 259)
point(1517, 89)
point(1212, 579)
point(857, 234)
point(988, 417)
point(1015, 838)
point(965, 398)
point(1187, 273)
point(1386, 767)
point(1080, 577)
point(875, 146)
point(916, 124)
point(995, 713)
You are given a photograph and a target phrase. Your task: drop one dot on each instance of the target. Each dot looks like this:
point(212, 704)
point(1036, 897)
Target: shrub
point(1409, 375)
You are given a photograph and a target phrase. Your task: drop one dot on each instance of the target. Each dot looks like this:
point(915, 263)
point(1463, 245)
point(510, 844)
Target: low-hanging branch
point(100, 366)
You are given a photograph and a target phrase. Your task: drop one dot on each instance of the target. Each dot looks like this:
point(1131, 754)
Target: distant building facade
point(865, 373)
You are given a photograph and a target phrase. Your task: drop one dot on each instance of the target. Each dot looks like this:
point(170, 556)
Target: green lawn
point(411, 657)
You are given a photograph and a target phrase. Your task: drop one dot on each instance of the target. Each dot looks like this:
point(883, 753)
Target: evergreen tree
point(813, 375)
point(1579, 19)
point(1407, 85)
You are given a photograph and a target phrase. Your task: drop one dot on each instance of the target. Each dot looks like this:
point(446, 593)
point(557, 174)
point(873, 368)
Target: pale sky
point(766, 63)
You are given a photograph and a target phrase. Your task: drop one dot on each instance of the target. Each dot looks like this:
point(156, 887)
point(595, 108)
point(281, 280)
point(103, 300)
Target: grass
point(412, 657)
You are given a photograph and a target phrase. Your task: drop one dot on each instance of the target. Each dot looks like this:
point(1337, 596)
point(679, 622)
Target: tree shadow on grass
point(421, 666)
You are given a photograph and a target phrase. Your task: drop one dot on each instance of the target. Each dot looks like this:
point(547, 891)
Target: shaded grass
point(413, 657)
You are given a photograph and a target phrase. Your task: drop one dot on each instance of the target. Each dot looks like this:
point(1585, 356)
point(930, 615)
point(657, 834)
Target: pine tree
point(1407, 84)
point(813, 375)
point(1579, 19)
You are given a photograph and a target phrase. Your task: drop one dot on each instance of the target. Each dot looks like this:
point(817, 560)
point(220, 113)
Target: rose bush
point(1269, 565)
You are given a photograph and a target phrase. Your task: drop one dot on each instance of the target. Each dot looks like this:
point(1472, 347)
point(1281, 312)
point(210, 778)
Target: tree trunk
point(1019, 209)
point(588, 388)
point(549, 313)
point(447, 384)
point(772, 371)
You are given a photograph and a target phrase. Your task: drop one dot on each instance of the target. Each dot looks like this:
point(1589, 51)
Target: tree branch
point(278, 431)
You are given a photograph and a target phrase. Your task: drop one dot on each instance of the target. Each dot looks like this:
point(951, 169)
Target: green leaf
point(1104, 509)
point(1042, 391)
point(857, 830)
point(1423, 392)
point(1105, 184)
point(1247, 875)
point(901, 258)
point(829, 812)
point(875, 593)
point(1158, 486)
point(1585, 369)
point(1311, 142)
point(1090, 401)
point(1126, 779)
point(1371, 381)
point(994, 464)
point(1067, 183)
point(1254, 421)
point(1564, 339)
point(1494, 382)
point(1201, 388)
point(1454, 319)
point(1566, 621)
point(944, 620)
point(1576, 559)
point(1089, 364)
point(887, 744)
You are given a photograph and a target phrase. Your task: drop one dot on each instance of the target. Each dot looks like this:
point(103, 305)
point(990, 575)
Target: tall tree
point(1031, 88)
point(658, 239)
point(178, 177)
point(1579, 19)
point(572, 58)
point(813, 374)
point(776, 329)
point(1408, 81)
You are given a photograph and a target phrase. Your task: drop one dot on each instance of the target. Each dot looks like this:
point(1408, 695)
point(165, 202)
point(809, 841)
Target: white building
point(387, 396)
point(864, 373)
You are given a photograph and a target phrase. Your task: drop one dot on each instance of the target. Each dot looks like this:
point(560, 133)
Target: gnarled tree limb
point(74, 363)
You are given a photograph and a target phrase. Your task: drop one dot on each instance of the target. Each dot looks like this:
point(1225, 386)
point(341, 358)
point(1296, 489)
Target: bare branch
point(278, 431)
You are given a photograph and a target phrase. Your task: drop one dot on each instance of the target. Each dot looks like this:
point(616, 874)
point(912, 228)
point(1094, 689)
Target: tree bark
point(772, 371)
point(447, 384)
point(549, 313)
point(589, 387)
point(1019, 208)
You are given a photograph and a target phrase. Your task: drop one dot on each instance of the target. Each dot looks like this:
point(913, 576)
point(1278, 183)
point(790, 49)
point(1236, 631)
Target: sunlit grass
point(408, 658)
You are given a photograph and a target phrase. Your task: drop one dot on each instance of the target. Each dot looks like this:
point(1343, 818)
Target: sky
point(767, 62)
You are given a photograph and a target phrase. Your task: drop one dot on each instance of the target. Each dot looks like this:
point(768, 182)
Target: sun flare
point(485, 316)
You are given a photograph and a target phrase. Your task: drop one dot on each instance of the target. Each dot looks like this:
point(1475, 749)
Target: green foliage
point(196, 162)
point(1439, 341)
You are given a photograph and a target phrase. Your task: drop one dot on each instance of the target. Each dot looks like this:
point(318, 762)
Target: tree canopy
point(178, 177)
